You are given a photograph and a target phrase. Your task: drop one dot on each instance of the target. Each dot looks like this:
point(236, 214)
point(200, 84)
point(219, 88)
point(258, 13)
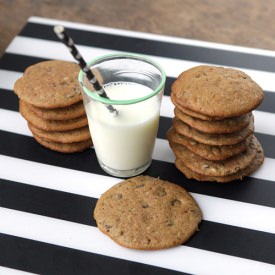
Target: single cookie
point(50, 84)
point(74, 111)
point(70, 136)
point(209, 152)
point(216, 168)
point(50, 125)
point(224, 126)
point(252, 167)
point(192, 113)
point(147, 213)
point(64, 147)
point(213, 139)
point(217, 91)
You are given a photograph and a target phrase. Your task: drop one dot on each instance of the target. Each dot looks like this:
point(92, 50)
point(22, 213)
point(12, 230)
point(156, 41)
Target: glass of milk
point(124, 142)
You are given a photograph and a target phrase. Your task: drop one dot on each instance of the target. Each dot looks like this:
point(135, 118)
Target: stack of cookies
point(51, 102)
point(212, 132)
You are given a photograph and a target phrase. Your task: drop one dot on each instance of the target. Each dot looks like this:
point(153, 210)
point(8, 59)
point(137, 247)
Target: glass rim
point(106, 57)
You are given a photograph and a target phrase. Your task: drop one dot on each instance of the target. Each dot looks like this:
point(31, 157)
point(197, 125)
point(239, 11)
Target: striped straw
point(68, 41)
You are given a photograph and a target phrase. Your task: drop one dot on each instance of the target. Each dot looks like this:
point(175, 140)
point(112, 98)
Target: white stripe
point(237, 213)
point(173, 67)
point(90, 239)
point(87, 184)
point(266, 171)
point(264, 121)
point(13, 122)
point(54, 177)
point(156, 37)
point(8, 79)
point(10, 271)
point(161, 151)
point(167, 107)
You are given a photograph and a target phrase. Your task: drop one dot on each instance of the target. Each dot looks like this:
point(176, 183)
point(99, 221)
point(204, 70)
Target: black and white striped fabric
point(47, 198)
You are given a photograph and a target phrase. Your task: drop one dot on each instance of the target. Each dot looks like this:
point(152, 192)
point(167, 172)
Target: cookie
point(50, 84)
point(217, 91)
point(213, 139)
point(209, 152)
point(216, 168)
point(191, 113)
point(74, 111)
point(147, 213)
point(227, 125)
point(70, 136)
point(50, 125)
point(252, 167)
point(64, 147)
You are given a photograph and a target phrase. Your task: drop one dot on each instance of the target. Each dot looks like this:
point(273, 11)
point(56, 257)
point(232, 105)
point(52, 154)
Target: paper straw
point(68, 41)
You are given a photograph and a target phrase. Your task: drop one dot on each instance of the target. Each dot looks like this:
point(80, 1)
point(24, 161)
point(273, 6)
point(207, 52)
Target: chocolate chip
point(145, 205)
point(170, 223)
point(140, 185)
point(176, 202)
point(107, 227)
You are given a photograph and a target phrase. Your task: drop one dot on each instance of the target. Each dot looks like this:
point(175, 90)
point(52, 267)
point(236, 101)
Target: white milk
point(125, 141)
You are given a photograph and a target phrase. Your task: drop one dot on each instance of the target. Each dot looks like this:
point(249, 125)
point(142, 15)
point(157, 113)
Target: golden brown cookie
point(50, 84)
point(64, 147)
point(227, 125)
point(217, 91)
point(147, 213)
point(192, 113)
point(70, 136)
point(209, 152)
point(73, 111)
point(216, 168)
point(50, 125)
point(213, 139)
point(252, 167)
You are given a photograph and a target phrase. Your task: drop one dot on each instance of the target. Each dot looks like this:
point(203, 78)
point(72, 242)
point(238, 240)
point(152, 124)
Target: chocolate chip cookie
point(147, 213)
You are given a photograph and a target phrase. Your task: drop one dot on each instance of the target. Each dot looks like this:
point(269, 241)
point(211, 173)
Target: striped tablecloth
point(47, 198)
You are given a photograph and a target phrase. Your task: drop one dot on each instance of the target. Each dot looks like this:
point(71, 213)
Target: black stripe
point(47, 202)
point(249, 190)
point(235, 241)
point(268, 104)
point(164, 124)
point(267, 142)
point(43, 258)
point(168, 85)
point(158, 48)
point(56, 204)
point(8, 100)
point(24, 147)
point(17, 62)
